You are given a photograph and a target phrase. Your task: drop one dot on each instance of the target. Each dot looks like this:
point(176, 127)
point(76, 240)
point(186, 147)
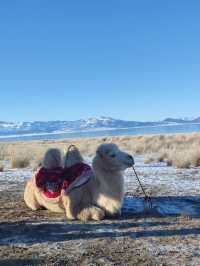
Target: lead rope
point(147, 199)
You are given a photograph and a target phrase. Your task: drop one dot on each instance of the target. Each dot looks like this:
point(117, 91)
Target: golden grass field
point(179, 150)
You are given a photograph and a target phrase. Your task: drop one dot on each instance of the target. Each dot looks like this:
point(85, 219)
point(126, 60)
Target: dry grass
point(20, 162)
point(149, 159)
point(180, 150)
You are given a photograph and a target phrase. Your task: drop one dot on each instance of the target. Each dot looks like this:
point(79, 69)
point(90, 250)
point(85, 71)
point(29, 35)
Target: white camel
point(102, 194)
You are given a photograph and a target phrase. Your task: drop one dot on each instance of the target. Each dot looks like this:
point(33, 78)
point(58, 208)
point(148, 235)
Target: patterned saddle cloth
point(52, 181)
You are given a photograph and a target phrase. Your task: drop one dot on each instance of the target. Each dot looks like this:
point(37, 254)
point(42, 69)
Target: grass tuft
point(20, 162)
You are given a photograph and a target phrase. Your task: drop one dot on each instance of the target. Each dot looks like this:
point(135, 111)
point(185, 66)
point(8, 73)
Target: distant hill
point(174, 120)
point(197, 120)
point(38, 127)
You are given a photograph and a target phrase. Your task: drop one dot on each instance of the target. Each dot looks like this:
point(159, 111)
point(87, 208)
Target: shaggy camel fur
point(102, 194)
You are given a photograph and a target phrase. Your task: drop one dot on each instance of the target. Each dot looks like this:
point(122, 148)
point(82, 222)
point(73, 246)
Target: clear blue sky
point(129, 59)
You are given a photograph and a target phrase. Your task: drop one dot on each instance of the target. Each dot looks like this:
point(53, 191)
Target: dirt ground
point(144, 238)
point(169, 234)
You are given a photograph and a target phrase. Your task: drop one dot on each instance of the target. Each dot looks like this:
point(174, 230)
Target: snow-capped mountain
point(37, 127)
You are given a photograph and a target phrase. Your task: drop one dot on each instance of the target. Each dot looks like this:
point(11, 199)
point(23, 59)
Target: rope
point(147, 199)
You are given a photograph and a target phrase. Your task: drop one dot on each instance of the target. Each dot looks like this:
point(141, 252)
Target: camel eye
point(113, 155)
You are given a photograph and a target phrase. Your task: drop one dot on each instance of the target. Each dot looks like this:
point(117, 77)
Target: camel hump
point(52, 159)
point(72, 157)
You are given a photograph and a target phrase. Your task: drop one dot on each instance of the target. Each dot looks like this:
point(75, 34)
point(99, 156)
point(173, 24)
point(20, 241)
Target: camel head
point(111, 158)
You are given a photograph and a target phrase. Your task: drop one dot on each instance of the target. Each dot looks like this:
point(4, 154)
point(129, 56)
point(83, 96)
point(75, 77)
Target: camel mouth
point(129, 164)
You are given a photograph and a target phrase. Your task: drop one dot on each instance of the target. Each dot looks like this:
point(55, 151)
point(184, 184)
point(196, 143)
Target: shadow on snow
point(30, 232)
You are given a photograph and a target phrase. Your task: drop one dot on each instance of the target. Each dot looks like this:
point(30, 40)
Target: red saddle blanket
point(52, 181)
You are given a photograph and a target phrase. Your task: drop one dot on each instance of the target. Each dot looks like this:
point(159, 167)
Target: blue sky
point(129, 59)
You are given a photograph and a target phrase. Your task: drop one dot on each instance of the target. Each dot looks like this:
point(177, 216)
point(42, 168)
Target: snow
point(11, 177)
point(164, 180)
point(173, 191)
point(11, 125)
point(157, 178)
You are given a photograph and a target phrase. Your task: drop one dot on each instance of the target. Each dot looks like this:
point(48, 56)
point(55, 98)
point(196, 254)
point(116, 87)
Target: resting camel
point(102, 194)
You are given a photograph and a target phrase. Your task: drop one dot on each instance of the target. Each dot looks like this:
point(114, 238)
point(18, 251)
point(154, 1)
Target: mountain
point(39, 127)
point(175, 120)
point(181, 121)
point(197, 120)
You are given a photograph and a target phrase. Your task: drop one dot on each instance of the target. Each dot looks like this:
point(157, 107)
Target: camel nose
point(131, 158)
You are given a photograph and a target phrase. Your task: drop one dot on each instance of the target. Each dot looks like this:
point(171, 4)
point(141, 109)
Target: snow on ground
point(11, 177)
point(157, 178)
point(173, 191)
point(168, 233)
point(160, 179)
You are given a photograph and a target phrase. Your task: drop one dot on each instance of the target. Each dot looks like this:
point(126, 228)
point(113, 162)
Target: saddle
point(51, 182)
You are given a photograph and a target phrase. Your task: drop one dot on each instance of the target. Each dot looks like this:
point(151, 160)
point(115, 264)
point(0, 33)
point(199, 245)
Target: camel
point(101, 195)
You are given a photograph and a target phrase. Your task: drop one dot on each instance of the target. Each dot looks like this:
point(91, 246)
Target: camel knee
point(29, 197)
point(32, 203)
point(97, 214)
point(91, 213)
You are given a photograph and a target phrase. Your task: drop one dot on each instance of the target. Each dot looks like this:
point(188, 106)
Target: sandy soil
point(169, 234)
